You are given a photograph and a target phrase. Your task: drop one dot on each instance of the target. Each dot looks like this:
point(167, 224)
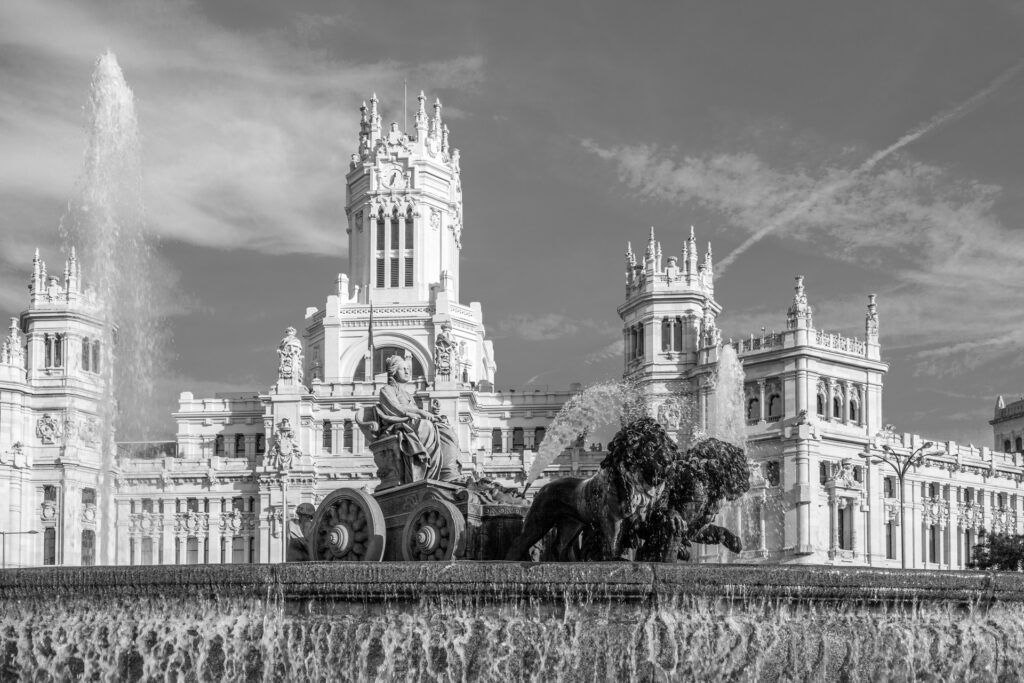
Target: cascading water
point(595, 407)
point(106, 221)
point(726, 417)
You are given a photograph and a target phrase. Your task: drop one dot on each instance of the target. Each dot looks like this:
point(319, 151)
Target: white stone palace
point(225, 490)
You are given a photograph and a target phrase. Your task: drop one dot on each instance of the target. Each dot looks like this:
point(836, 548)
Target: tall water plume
point(726, 416)
point(106, 222)
point(595, 407)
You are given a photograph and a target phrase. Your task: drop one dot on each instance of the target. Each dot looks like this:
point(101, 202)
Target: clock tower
point(404, 209)
point(401, 292)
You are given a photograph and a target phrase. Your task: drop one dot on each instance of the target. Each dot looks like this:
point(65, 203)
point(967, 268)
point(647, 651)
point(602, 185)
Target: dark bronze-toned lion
point(698, 483)
point(626, 488)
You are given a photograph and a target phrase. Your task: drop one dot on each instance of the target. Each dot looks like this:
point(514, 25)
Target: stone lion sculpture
point(630, 482)
point(698, 483)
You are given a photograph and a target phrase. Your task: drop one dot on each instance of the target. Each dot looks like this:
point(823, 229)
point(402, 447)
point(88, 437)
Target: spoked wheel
point(348, 526)
point(434, 532)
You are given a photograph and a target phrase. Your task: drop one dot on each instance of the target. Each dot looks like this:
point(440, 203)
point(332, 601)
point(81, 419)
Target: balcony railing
point(147, 450)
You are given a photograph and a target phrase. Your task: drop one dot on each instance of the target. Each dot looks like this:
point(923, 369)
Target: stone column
point(831, 395)
point(167, 537)
point(123, 525)
point(833, 524)
point(941, 550)
point(846, 402)
point(761, 406)
point(762, 538)
point(213, 534)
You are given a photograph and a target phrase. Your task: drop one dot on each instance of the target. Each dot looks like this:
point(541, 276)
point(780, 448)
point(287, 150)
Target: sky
point(871, 147)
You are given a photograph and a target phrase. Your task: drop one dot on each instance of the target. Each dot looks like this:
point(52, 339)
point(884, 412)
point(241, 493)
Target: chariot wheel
point(434, 532)
point(348, 526)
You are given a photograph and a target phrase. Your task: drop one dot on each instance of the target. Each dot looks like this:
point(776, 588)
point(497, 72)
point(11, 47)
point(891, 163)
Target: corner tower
point(404, 209)
point(669, 313)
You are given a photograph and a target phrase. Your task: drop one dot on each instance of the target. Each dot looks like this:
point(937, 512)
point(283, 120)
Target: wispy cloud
point(935, 238)
point(547, 327)
point(245, 143)
point(613, 350)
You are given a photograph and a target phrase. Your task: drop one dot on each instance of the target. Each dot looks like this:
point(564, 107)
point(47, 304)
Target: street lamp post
point(3, 543)
point(901, 464)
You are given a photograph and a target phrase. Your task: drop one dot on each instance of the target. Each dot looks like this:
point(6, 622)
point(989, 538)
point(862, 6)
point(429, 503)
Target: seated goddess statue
point(428, 444)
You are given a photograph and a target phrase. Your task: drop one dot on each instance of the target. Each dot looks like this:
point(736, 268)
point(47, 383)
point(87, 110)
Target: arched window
point(775, 405)
point(86, 353)
point(1019, 445)
point(88, 548)
point(328, 436)
point(380, 356)
point(538, 436)
point(754, 409)
point(218, 444)
point(1007, 446)
point(496, 441)
point(837, 407)
point(821, 405)
point(666, 335)
point(239, 445)
point(518, 443)
point(261, 444)
point(854, 411)
point(348, 435)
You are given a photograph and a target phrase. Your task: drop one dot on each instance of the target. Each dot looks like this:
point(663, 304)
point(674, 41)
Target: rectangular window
point(58, 351)
point(843, 532)
point(238, 504)
point(192, 550)
point(50, 546)
point(772, 473)
point(394, 271)
point(50, 494)
point(889, 487)
point(147, 551)
point(252, 550)
point(517, 440)
point(394, 234)
point(88, 548)
point(933, 543)
point(380, 235)
point(223, 550)
point(890, 540)
point(538, 437)
point(192, 504)
point(408, 233)
point(496, 441)
point(238, 550)
point(96, 356)
point(85, 354)
point(328, 436)
point(408, 271)
point(824, 472)
point(348, 435)
point(380, 273)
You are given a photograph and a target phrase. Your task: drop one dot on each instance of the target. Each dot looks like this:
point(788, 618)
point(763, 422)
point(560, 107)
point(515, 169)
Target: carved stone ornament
point(89, 431)
point(669, 414)
point(446, 353)
point(435, 219)
point(285, 447)
point(211, 477)
point(289, 353)
point(49, 512)
point(89, 514)
point(48, 429)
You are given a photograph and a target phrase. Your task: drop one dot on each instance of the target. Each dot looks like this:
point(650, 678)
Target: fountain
point(106, 221)
point(470, 620)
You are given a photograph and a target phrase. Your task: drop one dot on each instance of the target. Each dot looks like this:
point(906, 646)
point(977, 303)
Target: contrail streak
point(852, 176)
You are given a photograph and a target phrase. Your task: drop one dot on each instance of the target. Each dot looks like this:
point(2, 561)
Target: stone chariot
point(412, 518)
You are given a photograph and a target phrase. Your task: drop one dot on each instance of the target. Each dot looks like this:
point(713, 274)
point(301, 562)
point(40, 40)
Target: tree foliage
point(1001, 552)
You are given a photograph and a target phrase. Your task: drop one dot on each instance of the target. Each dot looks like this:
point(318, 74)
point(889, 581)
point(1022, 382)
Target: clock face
point(392, 178)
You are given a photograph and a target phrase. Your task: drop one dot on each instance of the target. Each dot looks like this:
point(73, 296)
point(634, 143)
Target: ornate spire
point(421, 112)
point(707, 258)
point(374, 118)
point(435, 121)
point(799, 314)
point(444, 139)
point(871, 320)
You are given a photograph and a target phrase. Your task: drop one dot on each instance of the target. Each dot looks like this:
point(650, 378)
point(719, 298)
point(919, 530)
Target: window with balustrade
point(218, 444)
point(518, 443)
point(774, 407)
point(239, 445)
point(753, 409)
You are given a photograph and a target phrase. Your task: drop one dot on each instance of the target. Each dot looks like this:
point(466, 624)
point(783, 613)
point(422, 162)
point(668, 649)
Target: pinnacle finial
point(692, 238)
point(709, 248)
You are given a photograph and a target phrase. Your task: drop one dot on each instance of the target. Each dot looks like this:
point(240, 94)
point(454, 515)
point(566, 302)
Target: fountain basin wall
point(509, 621)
